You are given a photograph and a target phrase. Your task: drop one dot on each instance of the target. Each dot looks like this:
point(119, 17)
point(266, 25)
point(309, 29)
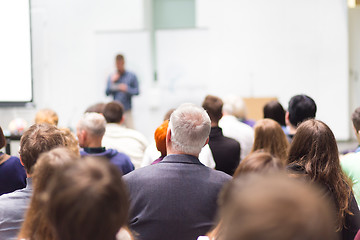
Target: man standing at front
point(177, 198)
point(123, 85)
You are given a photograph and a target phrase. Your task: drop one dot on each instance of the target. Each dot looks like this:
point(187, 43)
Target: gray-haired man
point(176, 198)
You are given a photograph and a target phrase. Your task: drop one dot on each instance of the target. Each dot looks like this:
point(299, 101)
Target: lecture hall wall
point(250, 48)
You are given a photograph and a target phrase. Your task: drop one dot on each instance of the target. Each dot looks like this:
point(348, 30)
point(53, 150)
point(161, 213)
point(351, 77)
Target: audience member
point(36, 225)
point(271, 138)
point(226, 151)
point(176, 198)
point(12, 173)
point(97, 108)
point(235, 129)
point(90, 131)
point(39, 138)
point(151, 153)
point(314, 154)
point(239, 109)
point(275, 111)
point(259, 161)
point(117, 136)
point(87, 201)
point(71, 141)
point(301, 108)
point(46, 116)
point(350, 163)
point(160, 140)
point(273, 207)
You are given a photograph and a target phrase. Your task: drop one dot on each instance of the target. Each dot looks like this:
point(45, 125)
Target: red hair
point(160, 137)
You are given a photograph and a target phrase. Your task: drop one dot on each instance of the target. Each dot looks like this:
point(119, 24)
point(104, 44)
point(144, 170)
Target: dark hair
point(213, 106)
point(2, 138)
point(355, 117)
point(119, 57)
point(39, 138)
point(301, 108)
point(258, 161)
point(314, 152)
point(270, 137)
point(274, 110)
point(273, 206)
point(35, 225)
point(87, 200)
point(97, 108)
point(113, 112)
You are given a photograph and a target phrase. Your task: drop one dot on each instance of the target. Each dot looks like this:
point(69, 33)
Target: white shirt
point(125, 140)
point(239, 131)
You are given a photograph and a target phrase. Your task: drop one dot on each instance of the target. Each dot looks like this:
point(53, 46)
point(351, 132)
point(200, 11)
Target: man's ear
point(207, 141)
point(82, 137)
point(21, 161)
point(168, 136)
point(287, 120)
point(122, 120)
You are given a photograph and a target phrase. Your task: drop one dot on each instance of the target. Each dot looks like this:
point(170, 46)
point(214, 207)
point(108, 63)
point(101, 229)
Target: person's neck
point(121, 71)
point(171, 151)
point(292, 129)
point(96, 143)
point(214, 124)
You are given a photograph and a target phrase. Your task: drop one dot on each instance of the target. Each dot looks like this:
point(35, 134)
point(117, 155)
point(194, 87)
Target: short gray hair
point(190, 127)
point(234, 105)
point(94, 123)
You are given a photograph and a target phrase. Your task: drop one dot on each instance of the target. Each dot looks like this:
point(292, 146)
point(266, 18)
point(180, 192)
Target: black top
point(226, 151)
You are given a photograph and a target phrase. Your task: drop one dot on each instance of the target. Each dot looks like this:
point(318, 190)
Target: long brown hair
point(270, 137)
point(314, 152)
point(258, 161)
point(35, 225)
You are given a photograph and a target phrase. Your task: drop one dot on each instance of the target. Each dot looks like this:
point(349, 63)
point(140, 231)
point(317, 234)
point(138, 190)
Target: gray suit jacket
point(175, 199)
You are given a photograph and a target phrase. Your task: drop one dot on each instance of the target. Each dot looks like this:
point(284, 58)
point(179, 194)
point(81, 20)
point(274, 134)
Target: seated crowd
point(209, 174)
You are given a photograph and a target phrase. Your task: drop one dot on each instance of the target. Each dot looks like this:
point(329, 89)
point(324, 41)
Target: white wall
point(281, 48)
point(354, 62)
point(252, 48)
point(64, 37)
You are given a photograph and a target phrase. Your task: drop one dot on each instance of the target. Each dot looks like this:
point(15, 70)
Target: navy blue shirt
point(120, 160)
point(12, 175)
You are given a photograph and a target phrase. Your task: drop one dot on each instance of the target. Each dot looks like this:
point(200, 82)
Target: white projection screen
point(15, 52)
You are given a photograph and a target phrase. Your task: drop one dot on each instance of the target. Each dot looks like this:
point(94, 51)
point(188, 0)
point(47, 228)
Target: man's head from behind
point(301, 108)
point(234, 105)
point(113, 112)
point(188, 130)
point(213, 106)
point(91, 129)
point(355, 117)
point(39, 138)
point(87, 200)
point(47, 116)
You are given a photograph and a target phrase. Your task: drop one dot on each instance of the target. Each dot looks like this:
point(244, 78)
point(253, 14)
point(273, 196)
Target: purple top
point(158, 160)
point(12, 175)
